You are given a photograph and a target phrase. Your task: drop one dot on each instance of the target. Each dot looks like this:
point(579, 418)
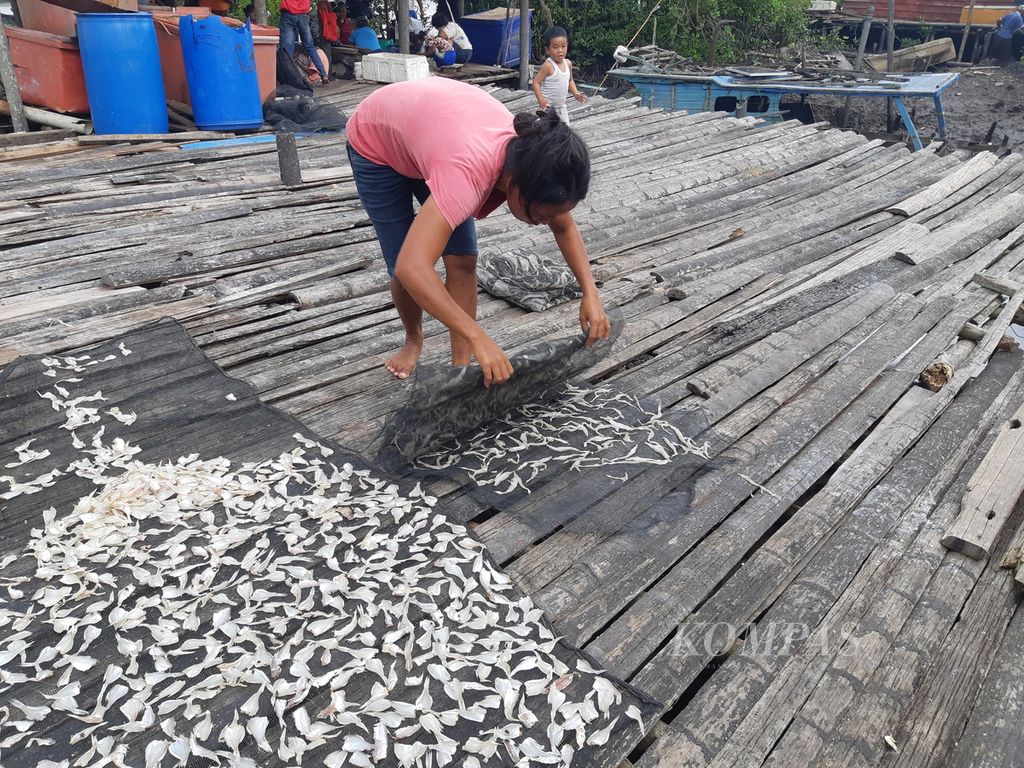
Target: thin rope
point(631, 41)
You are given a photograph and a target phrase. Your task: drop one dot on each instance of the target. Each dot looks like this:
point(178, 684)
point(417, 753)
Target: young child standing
point(553, 83)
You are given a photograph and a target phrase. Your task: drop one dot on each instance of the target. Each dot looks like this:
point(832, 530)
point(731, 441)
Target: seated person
point(448, 36)
point(363, 37)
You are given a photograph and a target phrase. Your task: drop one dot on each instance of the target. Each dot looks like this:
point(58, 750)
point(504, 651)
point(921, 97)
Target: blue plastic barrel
point(221, 69)
point(122, 72)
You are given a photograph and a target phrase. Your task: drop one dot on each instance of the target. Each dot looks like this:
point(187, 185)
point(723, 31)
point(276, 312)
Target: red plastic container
point(44, 17)
point(49, 70)
point(265, 40)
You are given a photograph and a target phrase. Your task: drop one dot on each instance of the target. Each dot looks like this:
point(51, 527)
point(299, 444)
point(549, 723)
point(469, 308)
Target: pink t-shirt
point(450, 134)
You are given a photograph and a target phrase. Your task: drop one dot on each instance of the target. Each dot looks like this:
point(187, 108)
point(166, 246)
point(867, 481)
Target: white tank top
point(555, 88)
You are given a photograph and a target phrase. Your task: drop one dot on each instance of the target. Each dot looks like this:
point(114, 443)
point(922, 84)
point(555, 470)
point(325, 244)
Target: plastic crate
point(394, 67)
point(49, 70)
point(495, 40)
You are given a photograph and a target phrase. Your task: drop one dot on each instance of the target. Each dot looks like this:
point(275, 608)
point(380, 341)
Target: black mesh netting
point(293, 110)
point(189, 577)
point(508, 442)
point(526, 279)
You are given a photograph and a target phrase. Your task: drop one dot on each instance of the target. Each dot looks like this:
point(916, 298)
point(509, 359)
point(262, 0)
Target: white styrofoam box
point(394, 67)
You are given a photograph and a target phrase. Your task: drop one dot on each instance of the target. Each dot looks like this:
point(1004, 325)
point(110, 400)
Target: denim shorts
point(387, 197)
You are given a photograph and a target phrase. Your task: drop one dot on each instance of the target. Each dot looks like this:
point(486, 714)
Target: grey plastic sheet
point(190, 577)
point(527, 279)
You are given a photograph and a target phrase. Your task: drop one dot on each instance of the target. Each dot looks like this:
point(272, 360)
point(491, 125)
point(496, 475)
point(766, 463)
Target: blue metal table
point(706, 93)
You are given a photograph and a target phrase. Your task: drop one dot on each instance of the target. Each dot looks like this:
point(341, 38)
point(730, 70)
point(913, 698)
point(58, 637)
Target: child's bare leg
point(403, 362)
point(460, 280)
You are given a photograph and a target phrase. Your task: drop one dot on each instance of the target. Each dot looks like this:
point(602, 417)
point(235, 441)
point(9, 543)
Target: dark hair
point(553, 33)
point(440, 19)
point(547, 161)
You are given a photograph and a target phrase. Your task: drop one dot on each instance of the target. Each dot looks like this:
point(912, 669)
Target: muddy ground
point(982, 96)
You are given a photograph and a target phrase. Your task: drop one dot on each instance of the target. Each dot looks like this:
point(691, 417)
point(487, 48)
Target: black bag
point(289, 73)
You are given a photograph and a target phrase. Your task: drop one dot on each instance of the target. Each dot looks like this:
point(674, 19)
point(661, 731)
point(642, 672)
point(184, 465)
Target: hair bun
point(543, 120)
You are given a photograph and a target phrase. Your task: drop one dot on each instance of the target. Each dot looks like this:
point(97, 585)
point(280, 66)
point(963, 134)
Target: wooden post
point(865, 32)
point(259, 12)
point(403, 26)
point(967, 32)
point(890, 43)
point(10, 81)
point(460, 8)
point(288, 160)
point(524, 45)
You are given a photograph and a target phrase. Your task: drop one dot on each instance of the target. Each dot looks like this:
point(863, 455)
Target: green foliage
point(273, 10)
point(596, 27)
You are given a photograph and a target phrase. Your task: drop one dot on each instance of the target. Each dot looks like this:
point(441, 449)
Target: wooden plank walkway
point(801, 610)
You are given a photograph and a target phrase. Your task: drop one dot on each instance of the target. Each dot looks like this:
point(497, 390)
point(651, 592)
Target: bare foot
point(403, 362)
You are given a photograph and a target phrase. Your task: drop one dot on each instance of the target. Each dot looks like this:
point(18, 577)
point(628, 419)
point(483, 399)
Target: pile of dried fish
point(582, 428)
point(266, 613)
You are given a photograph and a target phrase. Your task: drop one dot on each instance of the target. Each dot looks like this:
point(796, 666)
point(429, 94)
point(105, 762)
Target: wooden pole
point(865, 32)
point(524, 45)
point(288, 160)
point(53, 119)
point(890, 44)
point(403, 26)
point(967, 32)
point(259, 12)
point(10, 81)
point(460, 7)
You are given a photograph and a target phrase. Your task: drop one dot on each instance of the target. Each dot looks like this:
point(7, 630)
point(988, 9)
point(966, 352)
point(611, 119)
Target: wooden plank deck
point(801, 610)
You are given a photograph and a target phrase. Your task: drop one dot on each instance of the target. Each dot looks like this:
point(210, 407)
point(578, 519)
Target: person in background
point(363, 37)
point(328, 17)
point(461, 168)
point(345, 25)
point(295, 26)
point(554, 82)
point(1002, 44)
point(446, 29)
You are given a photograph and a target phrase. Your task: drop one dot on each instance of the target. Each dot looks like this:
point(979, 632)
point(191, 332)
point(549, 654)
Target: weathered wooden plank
point(941, 189)
point(909, 493)
point(992, 494)
point(992, 738)
point(967, 235)
point(780, 697)
point(997, 284)
point(650, 622)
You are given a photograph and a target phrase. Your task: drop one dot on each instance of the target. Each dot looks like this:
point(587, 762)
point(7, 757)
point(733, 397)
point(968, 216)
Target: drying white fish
point(216, 561)
point(584, 428)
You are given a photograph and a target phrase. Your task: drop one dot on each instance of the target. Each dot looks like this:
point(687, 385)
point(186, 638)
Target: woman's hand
point(493, 362)
point(594, 319)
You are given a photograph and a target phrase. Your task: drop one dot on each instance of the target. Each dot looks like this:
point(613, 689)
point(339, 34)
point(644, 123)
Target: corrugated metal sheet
point(937, 11)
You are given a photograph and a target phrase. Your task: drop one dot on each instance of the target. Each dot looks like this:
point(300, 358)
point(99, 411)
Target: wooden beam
point(46, 117)
point(915, 58)
point(998, 284)
point(9, 140)
point(288, 160)
point(139, 138)
point(524, 45)
point(10, 83)
point(967, 31)
point(403, 26)
point(992, 493)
